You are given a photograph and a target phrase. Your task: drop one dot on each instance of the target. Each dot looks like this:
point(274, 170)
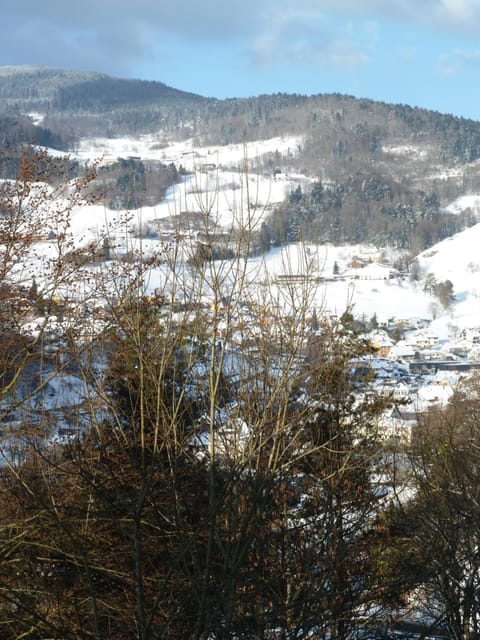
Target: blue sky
point(420, 52)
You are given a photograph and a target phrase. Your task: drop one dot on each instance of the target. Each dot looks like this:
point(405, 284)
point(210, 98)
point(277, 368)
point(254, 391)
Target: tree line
point(369, 209)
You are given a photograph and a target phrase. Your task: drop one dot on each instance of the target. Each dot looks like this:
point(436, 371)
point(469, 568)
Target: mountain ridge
point(29, 84)
point(382, 172)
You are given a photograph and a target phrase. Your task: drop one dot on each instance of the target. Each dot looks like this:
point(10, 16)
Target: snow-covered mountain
point(235, 182)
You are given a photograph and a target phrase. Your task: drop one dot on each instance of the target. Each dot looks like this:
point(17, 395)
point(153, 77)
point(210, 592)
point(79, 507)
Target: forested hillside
point(379, 172)
point(363, 209)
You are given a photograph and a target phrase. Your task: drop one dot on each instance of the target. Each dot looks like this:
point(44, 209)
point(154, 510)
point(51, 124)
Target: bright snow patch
point(465, 203)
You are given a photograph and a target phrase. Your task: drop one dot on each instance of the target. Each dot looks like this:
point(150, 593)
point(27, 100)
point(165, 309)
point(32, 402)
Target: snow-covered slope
point(221, 180)
point(458, 259)
point(220, 185)
point(464, 203)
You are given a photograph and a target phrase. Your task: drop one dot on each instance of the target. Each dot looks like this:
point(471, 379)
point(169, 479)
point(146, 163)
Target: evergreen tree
point(444, 292)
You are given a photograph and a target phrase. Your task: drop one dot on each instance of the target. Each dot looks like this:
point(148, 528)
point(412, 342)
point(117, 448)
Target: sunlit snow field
point(224, 182)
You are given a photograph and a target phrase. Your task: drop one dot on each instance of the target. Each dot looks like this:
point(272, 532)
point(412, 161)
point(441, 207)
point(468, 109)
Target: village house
point(401, 351)
point(373, 271)
point(398, 424)
point(381, 342)
point(422, 340)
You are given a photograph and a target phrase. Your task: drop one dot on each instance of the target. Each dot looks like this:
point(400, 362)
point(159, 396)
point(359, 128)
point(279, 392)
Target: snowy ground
point(391, 298)
point(457, 259)
point(224, 181)
point(229, 197)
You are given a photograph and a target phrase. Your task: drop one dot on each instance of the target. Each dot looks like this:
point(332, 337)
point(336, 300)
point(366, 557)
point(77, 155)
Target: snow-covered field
point(463, 203)
point(226, 184)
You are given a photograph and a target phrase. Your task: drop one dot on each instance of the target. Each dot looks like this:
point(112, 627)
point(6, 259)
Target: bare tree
point(437, 530)
point(218, 483)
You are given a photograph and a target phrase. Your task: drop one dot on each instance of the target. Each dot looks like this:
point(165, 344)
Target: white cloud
point(344, 53)
point(455, 17)
point(408, 54)
point(308, 37)
point(461, 12)
point(458, 61)
point(313, 36)
point(116, 35)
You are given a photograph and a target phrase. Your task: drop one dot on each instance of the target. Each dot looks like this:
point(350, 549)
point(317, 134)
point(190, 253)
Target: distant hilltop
point(374, 172)
point(66, 90)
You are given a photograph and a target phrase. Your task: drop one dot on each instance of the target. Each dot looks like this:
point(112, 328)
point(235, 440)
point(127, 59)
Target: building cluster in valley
point(411, 365)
